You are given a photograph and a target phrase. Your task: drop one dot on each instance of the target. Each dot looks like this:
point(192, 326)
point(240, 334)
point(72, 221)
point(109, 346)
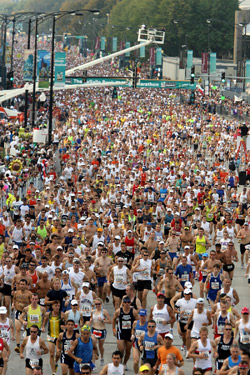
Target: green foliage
point(185, 21)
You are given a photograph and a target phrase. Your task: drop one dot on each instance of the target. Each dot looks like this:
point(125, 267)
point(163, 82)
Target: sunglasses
point(33, 332)
point(228, 329)
point(126, 302)
point(98, 304)
point(151, 326)
point(85, 372)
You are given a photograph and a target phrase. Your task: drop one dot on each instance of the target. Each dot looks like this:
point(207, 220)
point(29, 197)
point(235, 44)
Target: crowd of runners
point(140, 200)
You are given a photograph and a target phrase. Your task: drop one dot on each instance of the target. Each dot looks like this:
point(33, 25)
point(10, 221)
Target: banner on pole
point(43, 66)
point(97, 43)
point(189, 59)
point(158, 56)
point(60, 68)
point(103, 43)
point(142, 51)
point(152, 56)
point(28, 66)
point(114, 44)
point(247, 75)
point(212, 62)
point(8, 56)
point(204, 58)
point(127, 54)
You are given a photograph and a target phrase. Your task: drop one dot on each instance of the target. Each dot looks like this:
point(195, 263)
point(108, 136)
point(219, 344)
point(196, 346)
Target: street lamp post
point(244, 25)
point(12, 43)
point(51, 82)
point(34, 78)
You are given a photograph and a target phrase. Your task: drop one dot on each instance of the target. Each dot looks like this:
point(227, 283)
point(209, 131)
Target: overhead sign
point(143, 83)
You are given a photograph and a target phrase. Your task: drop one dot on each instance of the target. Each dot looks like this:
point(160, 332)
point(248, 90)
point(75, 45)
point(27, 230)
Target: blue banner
point(60, 68)
point(114, 44)
point(212, 62)
point(103, 43)
point(142, 50)
point(28, 66)
point(43, 66)
point(247, 74)
point(127, 45)
point(189, 59)
point(158, 56)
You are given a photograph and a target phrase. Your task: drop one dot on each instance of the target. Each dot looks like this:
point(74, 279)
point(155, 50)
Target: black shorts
point(243, 248)
point(17, 314)
point(118, 292)
point(66, 360)
point(182, 325)
point(151, 361)
point(86, 318)
point(7, 290)
point(1, 362)
point(143, 284)
point(228, 267)
point(244, 347)
point(124, 335)
point(135, 285)
point(240, 222)
point(190, 326)
point(27, 363)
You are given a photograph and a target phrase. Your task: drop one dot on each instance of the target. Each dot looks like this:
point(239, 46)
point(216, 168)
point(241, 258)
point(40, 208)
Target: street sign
point(143, 83)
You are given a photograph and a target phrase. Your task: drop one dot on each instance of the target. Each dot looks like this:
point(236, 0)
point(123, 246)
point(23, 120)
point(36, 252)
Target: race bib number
point(138, 333)
point(42, 301)
point(119, 279)
point(245, 337)
point(66, 348)
point(149, 345)
point(126, 324)
point(185, 277)
point(34, 363)
point(159, 320)
point(215, 285)
point(50, 339)
point(210, 216)
point(86, 310)
point(220, 329)
point(97, 333)
point(206, 354)
point(34, 318)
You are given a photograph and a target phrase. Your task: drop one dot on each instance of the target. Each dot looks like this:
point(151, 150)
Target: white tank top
point(159, 315)
point(219, 234)
point(17, 234)
point(32, 349)
point(230, 294)
point(244, 336)
point(5, 330)
point(27, 229)
point(204, 363)
point(112, 370)
point(9, 274)
point(230, 232)
point(198, 319)
point(145, 275)
point(120, 276)
point(86, 303)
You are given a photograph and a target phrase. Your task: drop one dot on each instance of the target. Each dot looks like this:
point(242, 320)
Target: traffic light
point(114, 94)
point(223, 77)
point(10, 80)
point(84, 76)
point(192, 75)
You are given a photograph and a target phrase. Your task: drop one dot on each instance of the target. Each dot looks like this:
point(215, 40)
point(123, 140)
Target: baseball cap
point(187, 247)
point(244, 310)
point(148, 223)
point(187, 291)
point(205, 255)
point(143, 312)
point(85, 284)
point(126, 299)
point(74, 302)
point(99, 230)
point(117, 237)
point(71, 230)
point(188, 285)
point(65, 272)
point(160, 295)
point(144, 368)
point(3, 310)
point(15, 247)
point(85, 328)
point(200, 300)
point(169, 335)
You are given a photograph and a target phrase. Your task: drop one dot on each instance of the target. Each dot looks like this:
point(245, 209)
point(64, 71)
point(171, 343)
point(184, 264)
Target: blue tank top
point(139, 330)
point(75, 317)
point(84, 350)
point(150, 342)
point(215, 285)
point(232, 364)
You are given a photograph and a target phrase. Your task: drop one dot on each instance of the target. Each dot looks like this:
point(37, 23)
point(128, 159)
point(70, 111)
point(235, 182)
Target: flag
point(201, 90)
